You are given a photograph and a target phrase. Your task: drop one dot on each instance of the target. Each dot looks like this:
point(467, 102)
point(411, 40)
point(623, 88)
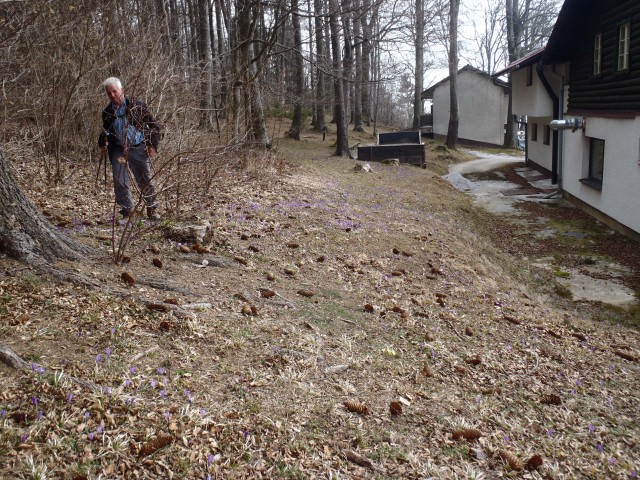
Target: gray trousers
point(139, 164)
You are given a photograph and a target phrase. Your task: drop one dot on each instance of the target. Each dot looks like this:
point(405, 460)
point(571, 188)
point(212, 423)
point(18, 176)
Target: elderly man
point(131, 136)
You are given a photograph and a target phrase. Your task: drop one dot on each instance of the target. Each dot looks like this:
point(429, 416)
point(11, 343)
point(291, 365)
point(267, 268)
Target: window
point(623, 46)
point(596, 163)
point(529, 75)
point(546, 134)
point(534, 132)
point(597, 54)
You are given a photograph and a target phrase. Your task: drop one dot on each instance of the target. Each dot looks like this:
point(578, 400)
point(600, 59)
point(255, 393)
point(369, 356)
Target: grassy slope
point(387, 289)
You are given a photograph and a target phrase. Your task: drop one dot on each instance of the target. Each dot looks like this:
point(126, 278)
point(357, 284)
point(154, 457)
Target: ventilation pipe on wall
point(568, 123)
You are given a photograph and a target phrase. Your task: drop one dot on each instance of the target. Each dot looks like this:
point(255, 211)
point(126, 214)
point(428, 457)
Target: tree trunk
point(452, 132)
point(419, 73)
point(509, 133)
point(347, 62)
point(514, 47)
point(24, 233)
point(367, 56)
point(357, 107)
point(296, 123)
point(220, 50)
point(319, 123)
point(342, 136)
point(206, 94)
point(246, 68)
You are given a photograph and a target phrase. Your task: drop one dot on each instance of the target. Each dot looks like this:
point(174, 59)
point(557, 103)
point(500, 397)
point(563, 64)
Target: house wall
point(530, 100)
point(619, 198)
point(538, 152)
point(610, 90)
point(482, 109)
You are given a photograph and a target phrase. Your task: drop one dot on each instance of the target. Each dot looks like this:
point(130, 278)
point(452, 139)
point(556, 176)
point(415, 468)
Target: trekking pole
point(104, 156)
point(102, 159)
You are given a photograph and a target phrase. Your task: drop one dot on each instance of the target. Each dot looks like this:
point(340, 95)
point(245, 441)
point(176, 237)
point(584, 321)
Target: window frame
point(624, 47)
point(534, 132)
point(597, 55)
point(594, 179)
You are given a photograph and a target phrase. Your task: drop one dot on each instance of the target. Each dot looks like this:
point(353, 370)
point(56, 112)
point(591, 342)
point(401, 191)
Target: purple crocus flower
point(591, 428)
point(108, 351)
point(91, 436)
point(600, 447)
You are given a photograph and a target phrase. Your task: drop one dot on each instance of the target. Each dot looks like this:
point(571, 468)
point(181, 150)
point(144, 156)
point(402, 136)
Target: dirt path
point(363, 325)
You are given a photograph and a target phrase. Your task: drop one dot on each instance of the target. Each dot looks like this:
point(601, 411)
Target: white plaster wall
point(538, 152)
point(530, 100)
point(620, 194)
point(441, 109)
point(482, 109)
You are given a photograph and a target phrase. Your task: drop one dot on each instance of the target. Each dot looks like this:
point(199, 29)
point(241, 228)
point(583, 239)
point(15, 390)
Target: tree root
point(13, 360)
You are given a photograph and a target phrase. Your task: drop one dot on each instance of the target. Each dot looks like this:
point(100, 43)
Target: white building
point(482, 107)
point(588, 76)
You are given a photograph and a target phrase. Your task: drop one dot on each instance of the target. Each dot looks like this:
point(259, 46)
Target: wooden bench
point(406, 146)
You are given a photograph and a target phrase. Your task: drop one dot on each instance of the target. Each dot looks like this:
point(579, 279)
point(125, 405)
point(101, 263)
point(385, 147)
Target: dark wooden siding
point(611, 90)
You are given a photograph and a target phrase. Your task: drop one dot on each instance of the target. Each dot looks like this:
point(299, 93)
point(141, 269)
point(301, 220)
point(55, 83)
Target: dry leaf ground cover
point(342, 325)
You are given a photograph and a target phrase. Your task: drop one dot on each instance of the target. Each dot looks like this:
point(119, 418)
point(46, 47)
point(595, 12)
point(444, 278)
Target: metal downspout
point(556, 116)
point(560, 132)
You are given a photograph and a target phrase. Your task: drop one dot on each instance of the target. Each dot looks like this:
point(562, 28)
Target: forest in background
point(226, 66)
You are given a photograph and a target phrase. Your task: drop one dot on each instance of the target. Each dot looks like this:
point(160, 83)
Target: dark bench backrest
point(395, 138)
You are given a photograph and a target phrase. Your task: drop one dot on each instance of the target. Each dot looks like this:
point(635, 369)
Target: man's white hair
point(112, 81)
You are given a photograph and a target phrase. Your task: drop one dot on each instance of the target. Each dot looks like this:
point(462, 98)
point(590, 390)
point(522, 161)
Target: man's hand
point(151, 151)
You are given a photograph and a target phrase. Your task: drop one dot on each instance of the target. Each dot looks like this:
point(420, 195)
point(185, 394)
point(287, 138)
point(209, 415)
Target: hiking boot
point(126, 212)
point(152, 213)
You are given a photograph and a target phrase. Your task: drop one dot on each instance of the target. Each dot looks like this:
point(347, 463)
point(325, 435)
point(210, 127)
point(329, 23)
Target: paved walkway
point(499, 196)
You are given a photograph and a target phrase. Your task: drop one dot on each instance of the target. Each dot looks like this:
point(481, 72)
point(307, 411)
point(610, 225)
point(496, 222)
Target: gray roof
point(428, 93)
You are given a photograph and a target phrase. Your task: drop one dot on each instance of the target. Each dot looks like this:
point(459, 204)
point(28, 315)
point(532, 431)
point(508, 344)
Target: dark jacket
point(138, 115)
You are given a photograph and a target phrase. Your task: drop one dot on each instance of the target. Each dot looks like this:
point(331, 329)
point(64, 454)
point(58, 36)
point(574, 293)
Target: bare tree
point(205, 64)
point(419, 70)
point(489, 36)
point(342, 136)
point(319, 119)
point(452, 132)
point(528, 25)
point(296, 123)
